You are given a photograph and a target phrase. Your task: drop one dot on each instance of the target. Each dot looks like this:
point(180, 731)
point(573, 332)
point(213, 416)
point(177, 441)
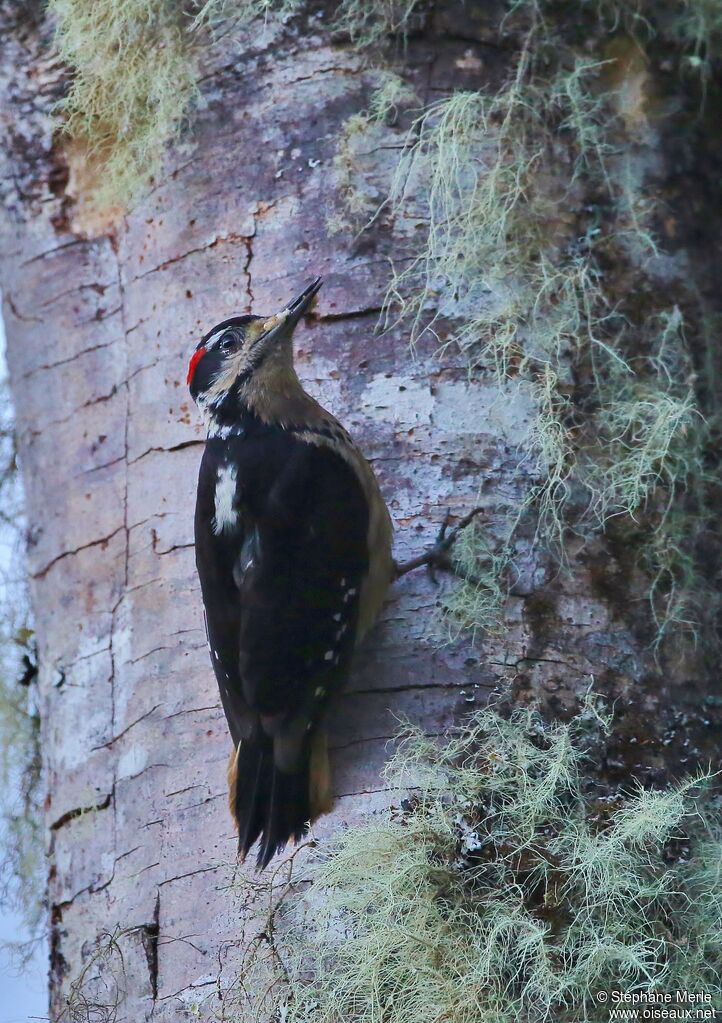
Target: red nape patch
point(195, 359)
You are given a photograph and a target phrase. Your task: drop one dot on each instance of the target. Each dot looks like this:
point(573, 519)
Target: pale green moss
point(477, 605)
point(391, 93)
point(552, 442)
point(358, 137)
point(697, 24)
point(98, 990)
point(650, 433)
point(215, 11)
point(506, 890)
point(488, 272)
point(648, 465)
point(470, 152)
point(489, 201)
point(373, 22)
point(133, 76)
point(483, 184)
point(679, 600)
point(583, 113)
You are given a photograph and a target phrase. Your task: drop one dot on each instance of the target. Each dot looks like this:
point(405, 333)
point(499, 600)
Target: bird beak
point(283, 323)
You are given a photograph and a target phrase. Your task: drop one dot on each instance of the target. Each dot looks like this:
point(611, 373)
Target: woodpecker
point(293, 551)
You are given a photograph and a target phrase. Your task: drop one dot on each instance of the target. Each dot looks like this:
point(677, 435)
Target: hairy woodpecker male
point(293, 550)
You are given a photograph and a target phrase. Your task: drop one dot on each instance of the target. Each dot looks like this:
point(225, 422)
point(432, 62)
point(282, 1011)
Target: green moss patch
point(507, 889)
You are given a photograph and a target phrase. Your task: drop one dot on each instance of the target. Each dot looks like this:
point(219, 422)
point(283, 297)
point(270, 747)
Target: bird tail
point(273, 804)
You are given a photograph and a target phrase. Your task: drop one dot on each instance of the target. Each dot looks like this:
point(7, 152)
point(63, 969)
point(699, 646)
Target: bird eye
point(228, 341)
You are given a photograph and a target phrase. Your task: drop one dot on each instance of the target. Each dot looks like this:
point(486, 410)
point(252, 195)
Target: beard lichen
point(133, 77)
point(524, 233)
point(506, 887)
point(371, 23)
point(134, 73)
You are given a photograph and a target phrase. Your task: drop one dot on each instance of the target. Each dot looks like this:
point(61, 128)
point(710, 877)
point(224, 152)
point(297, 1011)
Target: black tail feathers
point(266, 802)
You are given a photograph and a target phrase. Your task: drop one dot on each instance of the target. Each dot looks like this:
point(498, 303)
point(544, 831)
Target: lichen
point(481, 600)
point(488, 273)
point(490, 265)
point(133, 76)
point(98, 990)
point(358, 137)
point(505, 888)
point(697, 25)
point(211, 12)
point(370, 23)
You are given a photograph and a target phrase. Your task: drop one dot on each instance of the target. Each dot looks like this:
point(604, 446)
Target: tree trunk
point(140, 844)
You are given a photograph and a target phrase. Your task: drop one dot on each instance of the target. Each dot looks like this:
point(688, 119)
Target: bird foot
point(438, 556)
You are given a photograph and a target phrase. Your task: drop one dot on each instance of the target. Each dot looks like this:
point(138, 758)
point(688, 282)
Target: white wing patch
point(226, 515)
point(218, 432)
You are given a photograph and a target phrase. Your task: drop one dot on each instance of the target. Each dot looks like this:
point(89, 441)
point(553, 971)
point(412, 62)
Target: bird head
point(246, 353)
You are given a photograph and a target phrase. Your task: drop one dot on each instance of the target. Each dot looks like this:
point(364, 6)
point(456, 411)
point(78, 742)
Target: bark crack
point(149, 936)
point(174, 447)
point(18, 315)
point(58, 248)
point(354, 314)
point(248, 242)
point(80, 811)
point(110, 742)
point(208, 799)
point(71, 415)
point(188, 788)
point(98, 316)
point(367, 792)
point(157, 649)
point(169, 550)
point(76, 550)
point(418, 687)
point(361, 742)
point(64, 362)
point(334, 69)
point(99, 289)
point(217, 240)
point(190, 710)
point(189, 873)
point(124, 527)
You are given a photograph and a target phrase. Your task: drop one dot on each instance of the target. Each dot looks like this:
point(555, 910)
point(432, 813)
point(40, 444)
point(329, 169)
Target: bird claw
point(437, 556)
point(441, 535)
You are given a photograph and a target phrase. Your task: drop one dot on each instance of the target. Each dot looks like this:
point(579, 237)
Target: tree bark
point(140, 844)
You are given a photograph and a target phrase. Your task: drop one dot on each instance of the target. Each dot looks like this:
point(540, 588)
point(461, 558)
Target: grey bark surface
point(139, 838)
